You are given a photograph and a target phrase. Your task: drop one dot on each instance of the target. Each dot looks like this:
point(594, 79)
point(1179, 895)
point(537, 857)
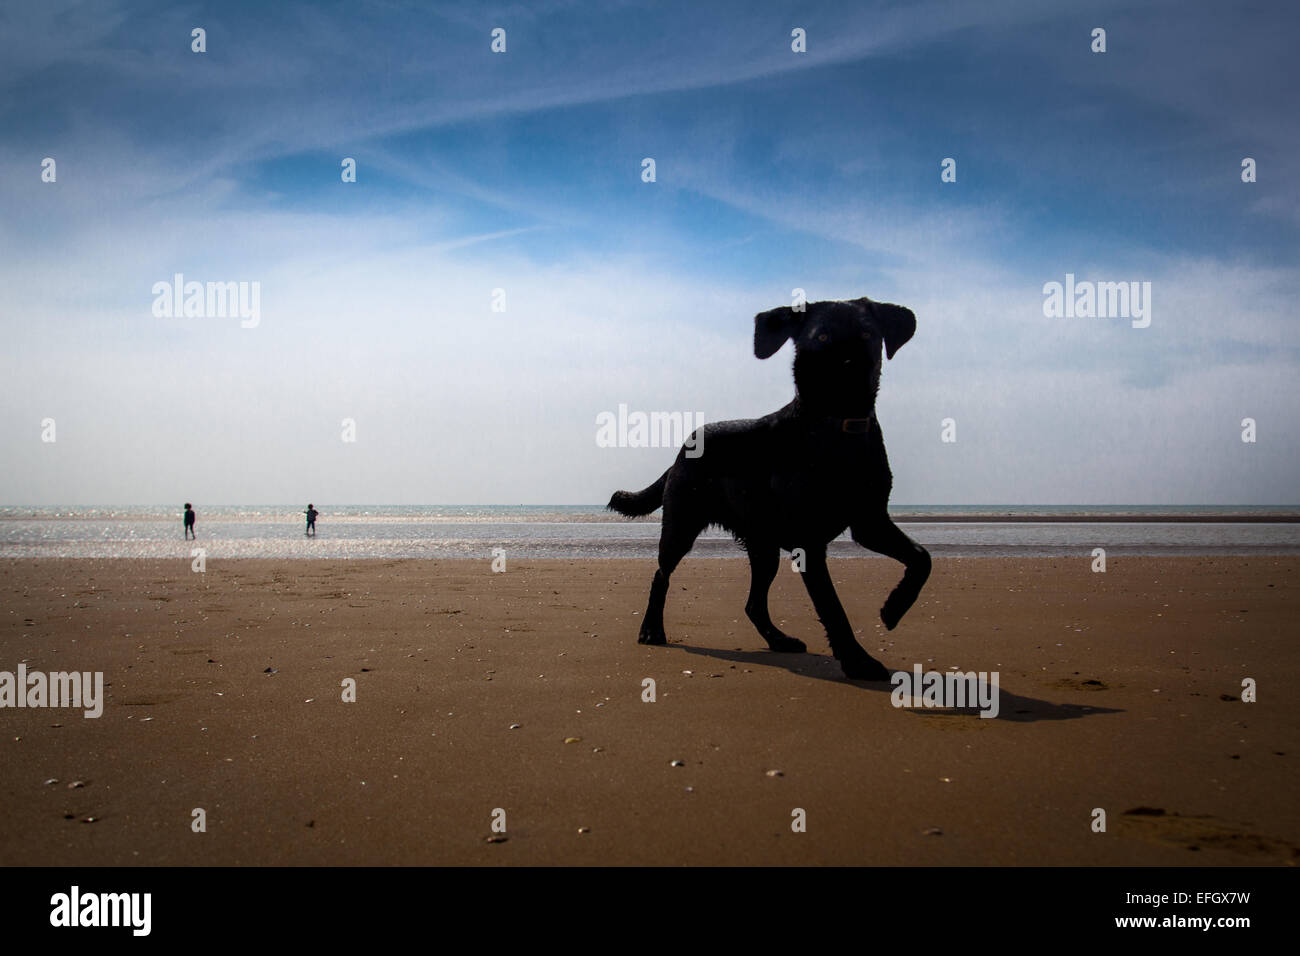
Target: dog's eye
point(866, 335)
point(823, 337)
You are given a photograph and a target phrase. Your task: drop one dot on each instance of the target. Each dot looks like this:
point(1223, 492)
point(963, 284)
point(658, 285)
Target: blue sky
point(521, 171)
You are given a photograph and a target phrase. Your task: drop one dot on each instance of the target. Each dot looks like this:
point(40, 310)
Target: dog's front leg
point(881, 535)
point(764, 561)
point(856, 663)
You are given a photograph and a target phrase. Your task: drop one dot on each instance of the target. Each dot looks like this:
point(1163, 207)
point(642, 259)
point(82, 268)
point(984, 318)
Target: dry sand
point(1119, 690)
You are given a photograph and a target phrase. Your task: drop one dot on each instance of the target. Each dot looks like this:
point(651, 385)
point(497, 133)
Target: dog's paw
point(892, 612)
point(652, 637)
point(785, 644)
point(865, 667)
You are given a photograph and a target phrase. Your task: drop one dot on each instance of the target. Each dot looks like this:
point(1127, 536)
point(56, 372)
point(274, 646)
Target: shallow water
point(591, 532)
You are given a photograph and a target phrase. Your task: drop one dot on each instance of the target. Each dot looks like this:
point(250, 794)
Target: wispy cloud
point(522, 172)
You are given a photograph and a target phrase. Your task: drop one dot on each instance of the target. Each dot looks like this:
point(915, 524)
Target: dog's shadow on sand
point(1011, 706)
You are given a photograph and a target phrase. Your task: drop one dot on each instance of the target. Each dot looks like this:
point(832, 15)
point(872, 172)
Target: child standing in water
point(311, 514)
point(189, 521)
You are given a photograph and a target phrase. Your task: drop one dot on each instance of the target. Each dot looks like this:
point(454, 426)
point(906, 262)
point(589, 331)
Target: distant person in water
point(189, 521)
point(311, 514)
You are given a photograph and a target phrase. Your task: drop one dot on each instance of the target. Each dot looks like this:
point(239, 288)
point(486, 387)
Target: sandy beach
point(523, 691)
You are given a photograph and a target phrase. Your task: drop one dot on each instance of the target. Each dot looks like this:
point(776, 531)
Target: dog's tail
point(636, 504)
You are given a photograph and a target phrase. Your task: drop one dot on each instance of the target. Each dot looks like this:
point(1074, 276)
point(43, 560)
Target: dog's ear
point(773, 327)
point(896, 323)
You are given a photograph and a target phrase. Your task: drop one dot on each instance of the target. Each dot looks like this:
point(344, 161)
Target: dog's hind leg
point(856, 663)
point(764, 561)
point(675, 540)
point(885, 537)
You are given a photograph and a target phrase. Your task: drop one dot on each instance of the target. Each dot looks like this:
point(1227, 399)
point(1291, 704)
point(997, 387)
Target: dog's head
point(837, 347)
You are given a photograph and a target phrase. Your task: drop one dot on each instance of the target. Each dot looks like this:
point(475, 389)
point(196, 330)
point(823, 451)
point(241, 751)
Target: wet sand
point(1119, 691)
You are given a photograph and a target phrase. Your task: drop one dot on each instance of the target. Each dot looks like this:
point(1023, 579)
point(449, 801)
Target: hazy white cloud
point(377, 307)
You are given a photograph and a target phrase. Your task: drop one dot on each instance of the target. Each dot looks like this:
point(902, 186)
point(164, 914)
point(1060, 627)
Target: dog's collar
point(846, 426)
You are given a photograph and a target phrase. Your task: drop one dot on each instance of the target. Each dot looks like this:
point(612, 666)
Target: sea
point(591, 532)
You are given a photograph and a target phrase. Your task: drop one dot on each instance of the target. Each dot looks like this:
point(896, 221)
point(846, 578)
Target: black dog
point(796, 478)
